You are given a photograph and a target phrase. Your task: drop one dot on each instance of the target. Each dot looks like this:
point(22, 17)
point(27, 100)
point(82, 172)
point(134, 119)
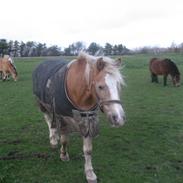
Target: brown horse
point(164, 67)
point(7, 68)
point(70, 94)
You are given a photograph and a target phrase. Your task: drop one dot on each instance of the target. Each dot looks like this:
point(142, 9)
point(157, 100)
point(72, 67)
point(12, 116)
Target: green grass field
point(148, 149)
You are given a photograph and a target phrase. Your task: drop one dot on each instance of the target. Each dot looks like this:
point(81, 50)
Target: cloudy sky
point(134, 23)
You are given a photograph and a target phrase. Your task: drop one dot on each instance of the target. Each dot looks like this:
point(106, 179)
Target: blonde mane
point(110, 67)
point(6, 56)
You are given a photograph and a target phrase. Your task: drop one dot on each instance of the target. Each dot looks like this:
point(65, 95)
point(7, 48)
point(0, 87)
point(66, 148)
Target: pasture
point(147, 149)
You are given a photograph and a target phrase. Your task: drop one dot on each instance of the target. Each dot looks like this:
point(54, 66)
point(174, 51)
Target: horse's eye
point(101, 87)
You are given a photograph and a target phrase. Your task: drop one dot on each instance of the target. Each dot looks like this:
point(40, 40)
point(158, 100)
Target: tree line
point(36, 49)
point(173, 48)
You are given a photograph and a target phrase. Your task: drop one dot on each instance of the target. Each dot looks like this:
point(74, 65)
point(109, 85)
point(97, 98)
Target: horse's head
point(174, 72)
point(107, 82)
point(13, 69)
point(176, 80)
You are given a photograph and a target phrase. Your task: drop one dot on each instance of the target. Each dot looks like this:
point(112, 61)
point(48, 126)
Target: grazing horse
point(164, 67)
point(70, 93)
point(7, 67)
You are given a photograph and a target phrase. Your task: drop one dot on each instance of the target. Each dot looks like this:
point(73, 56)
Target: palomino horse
point(164, 67)
point(7, 67)
point(69, 95)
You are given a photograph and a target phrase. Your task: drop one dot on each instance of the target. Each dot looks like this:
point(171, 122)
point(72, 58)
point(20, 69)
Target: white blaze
point(112, 85)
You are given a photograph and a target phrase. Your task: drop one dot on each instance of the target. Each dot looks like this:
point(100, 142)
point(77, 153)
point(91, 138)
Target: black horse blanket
point(49, 86)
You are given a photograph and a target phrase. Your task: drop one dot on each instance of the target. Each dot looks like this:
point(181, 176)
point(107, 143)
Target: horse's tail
point(150, 62)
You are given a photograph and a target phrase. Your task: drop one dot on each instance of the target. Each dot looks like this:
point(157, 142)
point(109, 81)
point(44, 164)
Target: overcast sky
point(134, 23)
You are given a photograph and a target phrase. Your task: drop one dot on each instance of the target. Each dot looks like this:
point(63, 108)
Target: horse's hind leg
point(87, 148)
point(154, 78)
point(53, 134)
point(165, 80)
point(64, 156)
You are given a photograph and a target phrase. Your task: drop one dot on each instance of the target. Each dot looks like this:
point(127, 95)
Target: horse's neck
point(78, 88)
point(172, 71)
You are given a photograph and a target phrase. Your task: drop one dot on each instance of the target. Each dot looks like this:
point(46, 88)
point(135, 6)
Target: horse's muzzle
point(177, 84)
point(117, 121)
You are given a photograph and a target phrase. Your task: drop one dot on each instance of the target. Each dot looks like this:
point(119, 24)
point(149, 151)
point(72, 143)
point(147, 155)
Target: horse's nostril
point(114, 117)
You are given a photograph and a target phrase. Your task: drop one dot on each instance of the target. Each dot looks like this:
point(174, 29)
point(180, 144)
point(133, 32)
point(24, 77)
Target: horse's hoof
point(64, 157)
point(92, 181)
point(54, 142)
point(54, 146)
point(90, 176)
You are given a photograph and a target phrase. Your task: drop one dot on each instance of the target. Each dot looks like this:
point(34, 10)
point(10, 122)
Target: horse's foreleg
point(53, 134)
point(87, 148)
point(164, 80)
point(64, 156)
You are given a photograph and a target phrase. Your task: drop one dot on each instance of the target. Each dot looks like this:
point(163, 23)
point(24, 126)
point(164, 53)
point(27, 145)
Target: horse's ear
point(100, 64)
point(118, 62)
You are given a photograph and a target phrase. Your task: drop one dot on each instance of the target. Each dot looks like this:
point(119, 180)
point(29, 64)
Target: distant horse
point(7, 68)
point(70, 94)
point(164, 67)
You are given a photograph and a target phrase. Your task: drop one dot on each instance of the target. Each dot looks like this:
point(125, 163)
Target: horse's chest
point(86, 126)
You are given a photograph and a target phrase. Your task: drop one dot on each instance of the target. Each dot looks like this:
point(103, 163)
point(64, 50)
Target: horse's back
point(43, 72)
point(158, 66)
point(4, 65)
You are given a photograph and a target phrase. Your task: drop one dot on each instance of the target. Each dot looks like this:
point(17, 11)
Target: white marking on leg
point(63, 151)
point(87, 148)
point(53, 135)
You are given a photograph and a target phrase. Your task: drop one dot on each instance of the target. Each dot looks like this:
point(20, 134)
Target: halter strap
point(107, 102)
